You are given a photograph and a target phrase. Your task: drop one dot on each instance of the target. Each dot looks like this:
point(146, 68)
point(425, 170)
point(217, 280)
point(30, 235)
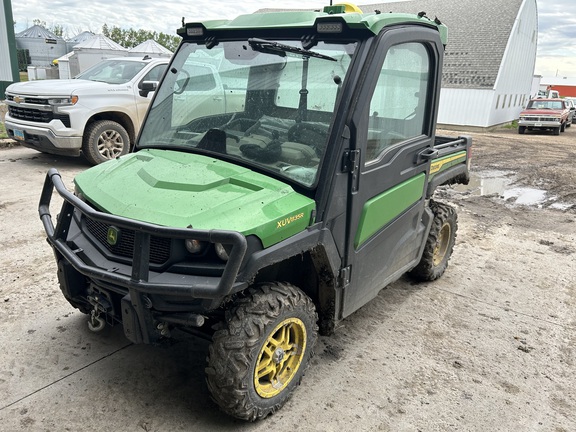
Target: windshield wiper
point(270, 47)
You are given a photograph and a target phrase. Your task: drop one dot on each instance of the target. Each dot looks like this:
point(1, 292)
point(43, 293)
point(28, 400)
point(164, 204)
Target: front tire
point(439, 245)
point(105, 140)
point(521, 129)
point(260, 355)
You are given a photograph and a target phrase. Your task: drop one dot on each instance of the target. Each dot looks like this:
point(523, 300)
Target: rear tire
point(105, 140)
point(439, 245)
point(260, 355)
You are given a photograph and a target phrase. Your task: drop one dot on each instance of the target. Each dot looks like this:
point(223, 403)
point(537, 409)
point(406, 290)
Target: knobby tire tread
point(235, 347)
point(426, 270)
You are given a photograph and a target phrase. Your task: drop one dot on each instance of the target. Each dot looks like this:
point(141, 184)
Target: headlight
point(79, 193)
point(63, 101)
point(194, 246)
point(221, 251)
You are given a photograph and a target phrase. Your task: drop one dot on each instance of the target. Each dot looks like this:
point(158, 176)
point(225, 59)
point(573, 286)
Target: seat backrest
point(214, 140)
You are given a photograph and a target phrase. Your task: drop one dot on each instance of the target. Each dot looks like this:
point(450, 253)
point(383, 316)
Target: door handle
point(426, 155)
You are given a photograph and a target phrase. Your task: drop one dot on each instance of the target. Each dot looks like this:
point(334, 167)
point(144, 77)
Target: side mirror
point(147, 87)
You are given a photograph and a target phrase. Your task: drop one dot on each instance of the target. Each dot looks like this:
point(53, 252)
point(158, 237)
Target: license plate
point(18, 134)
point(537, 124)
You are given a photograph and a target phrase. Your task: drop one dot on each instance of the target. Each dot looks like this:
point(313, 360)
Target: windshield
point(545, 104)
point(267, 103)
point(113, 71)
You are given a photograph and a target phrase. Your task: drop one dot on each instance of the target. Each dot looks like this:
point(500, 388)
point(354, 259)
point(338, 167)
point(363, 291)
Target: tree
point(57, 29)
point(129, 38)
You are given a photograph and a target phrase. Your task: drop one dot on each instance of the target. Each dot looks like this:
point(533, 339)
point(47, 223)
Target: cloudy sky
point(556, 40)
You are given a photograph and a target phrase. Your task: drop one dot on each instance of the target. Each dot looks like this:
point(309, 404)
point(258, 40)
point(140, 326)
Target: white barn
point(489, 60)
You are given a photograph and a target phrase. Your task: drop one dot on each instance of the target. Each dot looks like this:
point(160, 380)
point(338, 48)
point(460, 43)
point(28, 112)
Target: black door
point(394, 124)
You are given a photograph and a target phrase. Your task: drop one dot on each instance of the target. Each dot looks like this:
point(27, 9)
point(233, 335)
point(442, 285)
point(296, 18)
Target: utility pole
point(9, 72)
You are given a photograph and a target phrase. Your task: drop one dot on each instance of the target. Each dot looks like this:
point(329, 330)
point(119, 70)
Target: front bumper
point(540, 124)
point(44, 139)
point(82, 267)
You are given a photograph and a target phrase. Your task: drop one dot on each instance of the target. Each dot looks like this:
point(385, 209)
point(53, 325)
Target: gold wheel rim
point(442, 244)
point(280, 357)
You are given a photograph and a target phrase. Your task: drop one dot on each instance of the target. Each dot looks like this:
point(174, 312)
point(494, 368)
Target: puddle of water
point(487, 183)
point(499, 183)
point(525, 196)
point(561, 206)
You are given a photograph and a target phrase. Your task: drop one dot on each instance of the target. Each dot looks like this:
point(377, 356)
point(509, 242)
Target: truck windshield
point(545, 104)
point(266, 104)
point(112, 71)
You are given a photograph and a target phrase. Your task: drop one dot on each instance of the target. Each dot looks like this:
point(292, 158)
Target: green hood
point(180, 189)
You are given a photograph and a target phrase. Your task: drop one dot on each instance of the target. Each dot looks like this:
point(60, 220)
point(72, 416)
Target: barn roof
point(478, 33)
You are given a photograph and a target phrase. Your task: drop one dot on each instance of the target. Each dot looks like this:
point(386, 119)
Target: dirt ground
point(488, 347)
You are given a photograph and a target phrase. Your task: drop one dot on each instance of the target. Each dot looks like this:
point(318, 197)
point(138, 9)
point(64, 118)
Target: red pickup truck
point(545, 114)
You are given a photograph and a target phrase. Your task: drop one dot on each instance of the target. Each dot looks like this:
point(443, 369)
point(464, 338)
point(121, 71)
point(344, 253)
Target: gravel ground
point(488, 347)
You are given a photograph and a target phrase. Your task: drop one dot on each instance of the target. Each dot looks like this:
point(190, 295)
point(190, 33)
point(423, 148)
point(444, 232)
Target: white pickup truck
point(98, 113)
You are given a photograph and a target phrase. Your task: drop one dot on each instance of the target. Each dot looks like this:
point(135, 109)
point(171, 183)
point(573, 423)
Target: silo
point(79, 38)
point(43, 45)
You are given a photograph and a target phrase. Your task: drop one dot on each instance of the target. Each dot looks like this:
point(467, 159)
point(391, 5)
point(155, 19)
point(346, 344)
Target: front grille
point(33, 115)
point(30, 100)
point(159, 246)
point(539, 119)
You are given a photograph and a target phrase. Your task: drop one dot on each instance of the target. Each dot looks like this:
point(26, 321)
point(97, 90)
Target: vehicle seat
point(298, 154)
point(214, 140)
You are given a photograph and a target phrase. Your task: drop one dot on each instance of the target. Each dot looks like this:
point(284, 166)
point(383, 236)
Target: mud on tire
point(439, 244)
point(261, 354)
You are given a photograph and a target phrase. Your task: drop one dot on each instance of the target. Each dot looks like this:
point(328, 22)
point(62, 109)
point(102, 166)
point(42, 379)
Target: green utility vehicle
point(283, 176)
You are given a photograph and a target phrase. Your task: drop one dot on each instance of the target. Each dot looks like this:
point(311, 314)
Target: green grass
point(512, 125)
point(3, 134)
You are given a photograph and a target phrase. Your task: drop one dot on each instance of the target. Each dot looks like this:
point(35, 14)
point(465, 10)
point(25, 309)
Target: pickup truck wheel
point(439, 244)
point(562, 127)
point(260, 354)
point(105, 140)
point(557, 131)
point(521, 129)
